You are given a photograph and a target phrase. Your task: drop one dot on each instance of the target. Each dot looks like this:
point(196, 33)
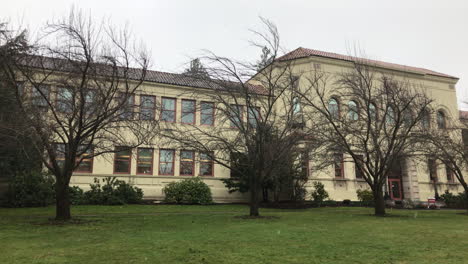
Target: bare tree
point(75, 86)
point(445, 143)
point(254, 119)
point(371, 116)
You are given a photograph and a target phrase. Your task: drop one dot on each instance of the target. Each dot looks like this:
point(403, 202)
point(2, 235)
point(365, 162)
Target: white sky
point(422, 33)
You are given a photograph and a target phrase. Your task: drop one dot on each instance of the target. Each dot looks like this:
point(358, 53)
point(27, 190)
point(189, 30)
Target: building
point(151, 169)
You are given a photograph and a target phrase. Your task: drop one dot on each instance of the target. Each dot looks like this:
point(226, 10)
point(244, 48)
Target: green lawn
point(212, 234)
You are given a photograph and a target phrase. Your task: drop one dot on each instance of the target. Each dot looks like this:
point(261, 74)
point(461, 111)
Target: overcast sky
point(429, 34)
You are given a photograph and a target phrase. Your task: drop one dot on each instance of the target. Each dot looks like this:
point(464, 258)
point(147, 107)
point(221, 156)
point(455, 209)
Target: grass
point(213, 234)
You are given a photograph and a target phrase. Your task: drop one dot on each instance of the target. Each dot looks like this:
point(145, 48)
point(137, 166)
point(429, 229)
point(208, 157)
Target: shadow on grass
point(248, 217)
point(73, 221)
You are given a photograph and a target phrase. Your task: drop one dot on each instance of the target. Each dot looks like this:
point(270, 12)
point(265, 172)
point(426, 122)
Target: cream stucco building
point(152, 168)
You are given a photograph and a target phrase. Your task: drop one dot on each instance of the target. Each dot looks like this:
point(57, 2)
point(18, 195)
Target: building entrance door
point(395, 189)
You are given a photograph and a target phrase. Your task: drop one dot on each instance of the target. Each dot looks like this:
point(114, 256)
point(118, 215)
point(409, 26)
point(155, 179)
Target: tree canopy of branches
point(243, 117)
point(371, 116)
point(75, 87)
point(448, 146)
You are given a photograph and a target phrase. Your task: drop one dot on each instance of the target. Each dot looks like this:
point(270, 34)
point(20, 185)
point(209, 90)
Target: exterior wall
point(415, 179)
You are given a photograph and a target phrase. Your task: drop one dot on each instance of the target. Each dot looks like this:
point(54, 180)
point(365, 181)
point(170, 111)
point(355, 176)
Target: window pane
point(186, 162)
point(165, 169)
point(166, 155)
point(146, 114)
point(122, 161)
point(353, 111)
point(60, 154)
point(426, 120)
point(64, 100)
point(147, 107)
point(86, 164)
point(166, 162)
point(39, 99)
point(206, 169)
point(168, 116)
point(188, 118)
point(296, 105)
point(254, 116)
point(236, 115)
point(338, 160)
point(440, 119)
point(206, 164)
point(147, 101)
point(168, 104)
point(333, 108)
point(207, 112)
point(145, 161)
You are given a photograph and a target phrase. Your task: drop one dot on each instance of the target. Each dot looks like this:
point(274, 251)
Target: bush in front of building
point(366, 197)
point(188, 191)
point(455, 200)
point(319, 194)
point(112, 192)
point(30, 189)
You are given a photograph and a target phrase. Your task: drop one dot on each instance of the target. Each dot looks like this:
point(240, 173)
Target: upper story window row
point(354, 113)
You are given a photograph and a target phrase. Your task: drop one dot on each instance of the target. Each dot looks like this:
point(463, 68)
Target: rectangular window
point(145, 161)
point(147, 107)
point(358, 172)
point(236, 115)
point(60, 154)
point(127, 107)
point(122, 160)
point(187, 159)
point(91, 105)
point(166, 162)
point(64, 102)
point(253, 116)
point(188, 112)
point(432, 167)
point(449, 173)
point(40, 95)
point(168, 109)
point(206, 164)
point(207, 113)
point(338, 165)
point(86, 164)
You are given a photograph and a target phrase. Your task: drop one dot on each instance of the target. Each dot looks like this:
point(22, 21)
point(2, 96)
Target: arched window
point(353, 113)
point(441, 122)
point(334, 108)
point(296, 105)
point(390, 116)
point(426, 120)
point(372, 111)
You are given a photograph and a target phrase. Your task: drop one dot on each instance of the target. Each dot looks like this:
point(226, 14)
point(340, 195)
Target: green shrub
point(29, 189)
point(76, 195)
point(188, 191)
point(366, 197)
point(319, 194)
point(112, 192)
point(455, 201)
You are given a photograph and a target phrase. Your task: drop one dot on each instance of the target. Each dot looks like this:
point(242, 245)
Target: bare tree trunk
point(379, 202)
point(254, 202)
point(62, 210)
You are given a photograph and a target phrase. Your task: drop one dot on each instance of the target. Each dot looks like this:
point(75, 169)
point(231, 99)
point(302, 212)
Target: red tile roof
point(303, 53)
point(135, 74)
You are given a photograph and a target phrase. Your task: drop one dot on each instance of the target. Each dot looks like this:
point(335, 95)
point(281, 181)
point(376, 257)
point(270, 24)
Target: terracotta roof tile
point(135, 73)
point(303, 53)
